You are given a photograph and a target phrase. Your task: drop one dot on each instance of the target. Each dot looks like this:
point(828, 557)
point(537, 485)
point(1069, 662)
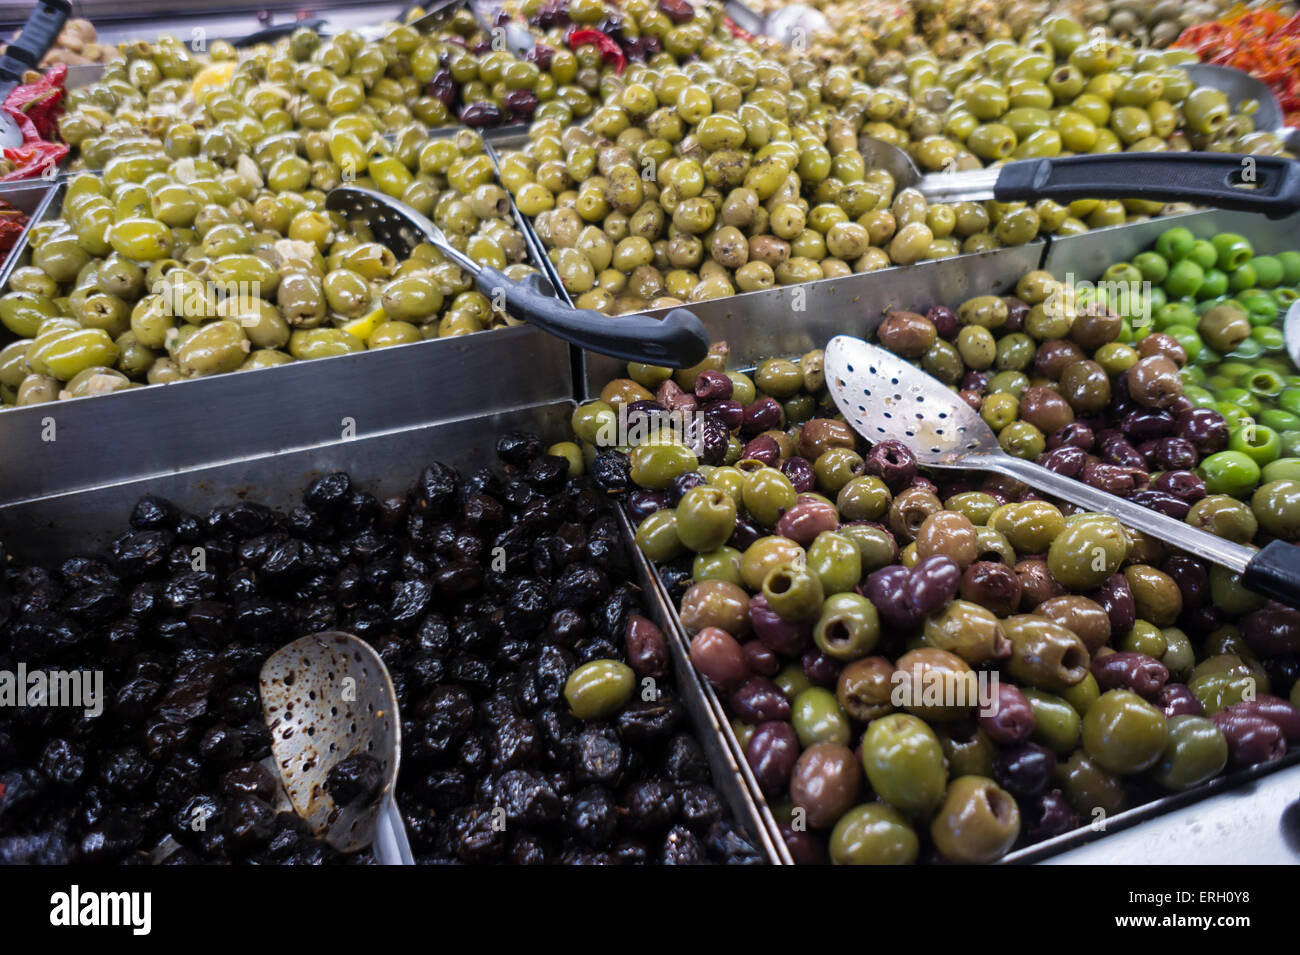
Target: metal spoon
point(1210, 179)
point(679, 340)
point(884, 397)
point(1291, 331)
point(1242, 87)
point(326, 697)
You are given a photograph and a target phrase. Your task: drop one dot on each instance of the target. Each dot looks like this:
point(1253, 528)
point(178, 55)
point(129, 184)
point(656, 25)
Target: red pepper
point(37, 105)
point(735, 29)
point(609, 49)
point(32, 158)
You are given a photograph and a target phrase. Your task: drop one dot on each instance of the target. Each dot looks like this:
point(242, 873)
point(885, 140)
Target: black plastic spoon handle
point(1210, 179)
point(42, 29)
point(679, 340)
point(280, 30)
point(1275, 572)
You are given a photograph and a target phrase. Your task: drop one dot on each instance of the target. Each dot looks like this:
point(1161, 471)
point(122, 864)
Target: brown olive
point(1162, 344)
point(1094, 327)
point(950, 533)
point(825, 783)
point(909, 510)
point(1056, 355)
point(1045, 409)
point(993, 585)
point(1086, 387)
point(1085, 617)
point(821, 434)
point(865, 688)
point(1037, 583)
point(1154, 382)
point(716, 603)
point(929, 674)
point(907, 334)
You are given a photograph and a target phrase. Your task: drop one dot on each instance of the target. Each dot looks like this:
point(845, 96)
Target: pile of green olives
point(846, 606)
point(171, 266)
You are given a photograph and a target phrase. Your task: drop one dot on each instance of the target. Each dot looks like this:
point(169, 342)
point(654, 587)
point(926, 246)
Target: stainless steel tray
point(57, 526)
point(159, 429)
point(32, 197)
point(1088, 254)
point(1259, 807)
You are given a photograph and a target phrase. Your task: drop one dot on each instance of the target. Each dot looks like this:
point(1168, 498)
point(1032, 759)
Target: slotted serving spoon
point(1291, 331)
point(1241, 87)
point(678, 340)
point(1208, 179)
point(884, 397)
point(326, 697)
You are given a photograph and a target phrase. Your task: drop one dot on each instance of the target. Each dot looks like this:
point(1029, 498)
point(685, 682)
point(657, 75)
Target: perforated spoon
point(326, 697)
point(1241, 87)
point(884, 397)
point(678, 340)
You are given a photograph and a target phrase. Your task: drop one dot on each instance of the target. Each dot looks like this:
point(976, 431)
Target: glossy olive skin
point(1124, 733)
point(1044, 654)
point(599, 688)
point(1089, 787)
point(873, 834)
point(904, 763)
point(715, 603)
point(1195, 751)
point(978, 821)
point(848, 627)
point(826, 781)
point(706, 517)
point(934, 684)
point(865, 688)
point(1087, 551)
point(968, 630)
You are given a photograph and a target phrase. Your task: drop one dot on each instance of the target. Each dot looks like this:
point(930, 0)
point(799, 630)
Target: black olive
point(62, 761)
point(592, 817)
point(599, 755)
point(651, 804)
point(152, 513)
point(140, 552)
point(249, 779)
point(355, 780)
point(529, 848)
point(700, 807)
point(328, 493)
point(612, 471)
point(682, 848)
point(643, 723)
point(435, 492)
point(684, 762)
point(527, 798)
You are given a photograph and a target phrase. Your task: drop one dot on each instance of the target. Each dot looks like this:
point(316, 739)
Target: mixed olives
point(848, 607)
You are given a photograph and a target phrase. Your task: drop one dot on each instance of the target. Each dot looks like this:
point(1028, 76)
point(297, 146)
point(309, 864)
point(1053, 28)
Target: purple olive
point(887, 589)
point(1272, 632)
point(713, 385)
point(521, 103)
point(763, 448)
point(1286, 715)
point(1075, 434)
point(762, 414)
point(893, 462)
point(1205, 428)
point(1142, 674)
point(806, 519)
point(821, 669)
point(1116, 599)
point(800, 473)
point(1166, 504)
point(945, 321)
point(1252, 739)
point(781, 636)
point(1048, 815)
point(1012, 719)
point(1176, 454)
point(647, 650)
point(1066, 459)
point(482, 114)
point(641, 503)
point(760, 658)
point(1184, 485)
point(730, 412)
point(772, 752)
point(1025, 770)
point(1147, 424)
point(758, 700)
point(1192, 578)
point(1175, 699)
point(933, 583)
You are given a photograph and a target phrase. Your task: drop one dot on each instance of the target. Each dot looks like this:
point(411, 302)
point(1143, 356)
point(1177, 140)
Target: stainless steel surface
point(54, 527)
point(731, 772)
point(886, 397)
point(327, 697)
point(1087, 255)
point(31, 197)
point(1247, 818)
point(794, 319)
point(1242, 87)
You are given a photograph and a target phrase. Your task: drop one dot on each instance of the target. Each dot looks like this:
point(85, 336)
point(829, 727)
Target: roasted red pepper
point(31, 159)
point(1263, 43)
point(39, 104)
point(609, 49)
point(12, 222)
point(735, 29)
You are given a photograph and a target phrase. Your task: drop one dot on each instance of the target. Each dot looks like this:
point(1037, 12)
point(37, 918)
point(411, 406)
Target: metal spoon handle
point(1273, 571)
point(1211, 179)
point(1168, 529)
point(391, 845)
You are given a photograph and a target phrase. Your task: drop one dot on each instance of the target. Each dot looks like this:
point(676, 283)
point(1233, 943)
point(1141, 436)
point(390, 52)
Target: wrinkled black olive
point(355, 780)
